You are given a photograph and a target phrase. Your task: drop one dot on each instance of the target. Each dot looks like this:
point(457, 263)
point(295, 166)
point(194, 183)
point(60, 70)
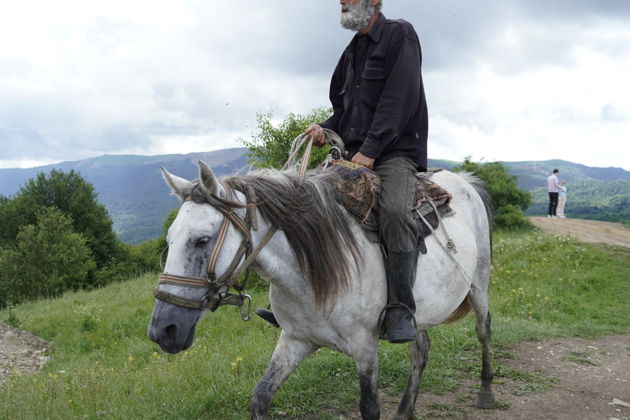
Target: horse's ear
point(180, 186)
point(209, 182)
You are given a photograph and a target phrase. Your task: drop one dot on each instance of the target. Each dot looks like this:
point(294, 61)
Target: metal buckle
point(247, 315)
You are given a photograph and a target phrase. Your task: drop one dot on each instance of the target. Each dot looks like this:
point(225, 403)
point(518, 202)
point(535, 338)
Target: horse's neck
point(276, 262)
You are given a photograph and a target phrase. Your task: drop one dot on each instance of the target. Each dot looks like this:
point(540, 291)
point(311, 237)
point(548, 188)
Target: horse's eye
point(202, 241)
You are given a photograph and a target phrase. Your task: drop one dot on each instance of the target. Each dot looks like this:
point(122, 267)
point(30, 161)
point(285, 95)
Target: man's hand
point(363, 160)
point(317, 134)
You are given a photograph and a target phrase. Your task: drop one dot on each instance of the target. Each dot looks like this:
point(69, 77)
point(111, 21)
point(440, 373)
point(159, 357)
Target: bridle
point(217, 288)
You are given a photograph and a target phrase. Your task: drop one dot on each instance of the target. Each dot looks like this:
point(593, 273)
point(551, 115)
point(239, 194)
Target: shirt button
point(351, 128)
point(357, 86)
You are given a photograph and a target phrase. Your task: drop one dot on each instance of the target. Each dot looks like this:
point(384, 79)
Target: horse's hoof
point(404, 416)
point(485, 400)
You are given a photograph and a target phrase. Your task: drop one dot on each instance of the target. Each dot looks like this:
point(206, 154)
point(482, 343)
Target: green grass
point(103, 366)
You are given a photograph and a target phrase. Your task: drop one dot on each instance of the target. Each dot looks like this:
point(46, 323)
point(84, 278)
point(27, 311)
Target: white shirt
point(552, 183)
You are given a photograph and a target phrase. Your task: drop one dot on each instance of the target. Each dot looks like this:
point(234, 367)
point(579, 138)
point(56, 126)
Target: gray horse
point(327, 278)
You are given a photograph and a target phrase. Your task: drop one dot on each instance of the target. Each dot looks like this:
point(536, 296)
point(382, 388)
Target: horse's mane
point(317, 228)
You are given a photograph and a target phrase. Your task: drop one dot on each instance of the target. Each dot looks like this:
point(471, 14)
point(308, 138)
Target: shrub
point(271, 145)
point(508, 199)
point(47, 259)
point(511, 217)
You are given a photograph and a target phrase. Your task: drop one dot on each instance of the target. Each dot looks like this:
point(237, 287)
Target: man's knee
point(392, 214)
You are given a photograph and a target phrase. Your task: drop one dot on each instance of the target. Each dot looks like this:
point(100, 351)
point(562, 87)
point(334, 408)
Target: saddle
point(358, 189)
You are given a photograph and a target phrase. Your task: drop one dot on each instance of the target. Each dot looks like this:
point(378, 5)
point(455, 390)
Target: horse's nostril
point(171, 331)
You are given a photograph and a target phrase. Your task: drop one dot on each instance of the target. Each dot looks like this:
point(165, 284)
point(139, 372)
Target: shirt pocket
point(373, 81)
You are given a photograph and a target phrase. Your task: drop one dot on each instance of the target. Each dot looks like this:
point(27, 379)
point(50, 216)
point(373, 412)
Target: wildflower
point(236, 365)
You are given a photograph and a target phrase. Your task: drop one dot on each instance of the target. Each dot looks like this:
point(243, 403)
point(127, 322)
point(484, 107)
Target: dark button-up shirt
point(378, 96)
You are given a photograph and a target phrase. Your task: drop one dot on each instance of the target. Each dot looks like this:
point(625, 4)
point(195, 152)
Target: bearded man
point(380, 112)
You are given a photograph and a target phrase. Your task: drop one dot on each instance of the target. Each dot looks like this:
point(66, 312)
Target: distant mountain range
point(131, 187)
point(132, 190)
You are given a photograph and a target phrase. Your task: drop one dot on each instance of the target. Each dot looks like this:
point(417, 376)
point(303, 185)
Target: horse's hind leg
point(479, 299)
point(287, 355)
point(419, 358)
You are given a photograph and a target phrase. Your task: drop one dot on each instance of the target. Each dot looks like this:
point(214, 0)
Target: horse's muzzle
point(172, 328)
point(171, 338)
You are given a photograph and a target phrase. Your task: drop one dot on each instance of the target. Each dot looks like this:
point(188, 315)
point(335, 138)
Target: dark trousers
point(399, 229)
point(553, 203)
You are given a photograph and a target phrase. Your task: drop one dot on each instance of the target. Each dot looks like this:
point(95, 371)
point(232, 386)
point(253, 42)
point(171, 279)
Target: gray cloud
point(119, 81)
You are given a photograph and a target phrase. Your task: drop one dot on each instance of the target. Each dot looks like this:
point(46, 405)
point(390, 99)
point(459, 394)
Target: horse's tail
point(461, 311)
point(481, 189)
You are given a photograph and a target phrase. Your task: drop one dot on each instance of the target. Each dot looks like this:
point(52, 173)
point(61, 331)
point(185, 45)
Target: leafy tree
point(270, 145)
point(75, 197)
point(508, 199)
point(13, 215)
point(47, 259)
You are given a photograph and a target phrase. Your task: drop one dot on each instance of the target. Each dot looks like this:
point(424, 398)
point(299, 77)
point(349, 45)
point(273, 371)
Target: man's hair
point(555, 171)
point(378, 6)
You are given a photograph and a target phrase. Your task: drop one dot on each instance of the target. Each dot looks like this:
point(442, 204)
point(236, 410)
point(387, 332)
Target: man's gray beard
point(358, 16)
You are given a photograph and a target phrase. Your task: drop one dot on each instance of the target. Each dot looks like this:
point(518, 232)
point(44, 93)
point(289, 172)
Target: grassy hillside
point(103, 366)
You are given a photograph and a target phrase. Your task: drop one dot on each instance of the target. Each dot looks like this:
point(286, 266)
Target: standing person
point(553, 186)
point(380, 112)
point(562, 199)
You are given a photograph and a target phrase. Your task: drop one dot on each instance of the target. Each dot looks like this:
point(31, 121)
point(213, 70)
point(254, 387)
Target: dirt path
point(585, 230)
point(557, 379)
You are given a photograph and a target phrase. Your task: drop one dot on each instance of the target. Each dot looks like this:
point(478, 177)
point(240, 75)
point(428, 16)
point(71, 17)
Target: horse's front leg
point(288, 354)
point(367, 368)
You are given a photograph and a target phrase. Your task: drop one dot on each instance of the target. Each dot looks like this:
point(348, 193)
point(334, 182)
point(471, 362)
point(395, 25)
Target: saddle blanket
point(358, 189)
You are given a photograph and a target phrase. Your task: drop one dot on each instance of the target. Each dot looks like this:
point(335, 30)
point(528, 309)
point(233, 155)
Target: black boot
point(267, 316)
point(401, 305)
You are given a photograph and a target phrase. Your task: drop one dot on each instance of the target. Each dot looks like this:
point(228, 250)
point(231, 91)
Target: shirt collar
point(377, 29)
point(374, 34)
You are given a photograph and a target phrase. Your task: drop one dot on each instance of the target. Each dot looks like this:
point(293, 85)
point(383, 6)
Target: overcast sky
point(505, 80)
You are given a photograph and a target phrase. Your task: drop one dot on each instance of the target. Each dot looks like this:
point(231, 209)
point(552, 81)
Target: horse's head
point(186, 290)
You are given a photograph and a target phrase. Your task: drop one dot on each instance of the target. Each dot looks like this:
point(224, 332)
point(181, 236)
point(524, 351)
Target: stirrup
point(267, 316)
point(381, 322)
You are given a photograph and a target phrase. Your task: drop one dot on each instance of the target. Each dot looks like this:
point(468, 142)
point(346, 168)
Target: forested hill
point(593, 193)
point(137, 199)
point(532, 175)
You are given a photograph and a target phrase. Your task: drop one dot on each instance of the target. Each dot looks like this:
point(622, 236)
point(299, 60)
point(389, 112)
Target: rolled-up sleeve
point(399, 99)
